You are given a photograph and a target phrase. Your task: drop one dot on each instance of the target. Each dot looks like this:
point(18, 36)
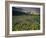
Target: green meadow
point(26, 22)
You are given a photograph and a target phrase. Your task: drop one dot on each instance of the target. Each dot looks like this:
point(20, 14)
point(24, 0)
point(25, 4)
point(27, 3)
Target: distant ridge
point(16, 12)
point(20, 11)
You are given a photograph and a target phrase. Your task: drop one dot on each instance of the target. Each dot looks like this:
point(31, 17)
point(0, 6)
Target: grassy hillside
point(25, 22)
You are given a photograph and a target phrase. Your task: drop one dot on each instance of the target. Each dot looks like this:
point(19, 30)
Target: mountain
point(24, 11)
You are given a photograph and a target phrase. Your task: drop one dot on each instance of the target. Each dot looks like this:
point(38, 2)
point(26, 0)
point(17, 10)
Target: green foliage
point(26, 22)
